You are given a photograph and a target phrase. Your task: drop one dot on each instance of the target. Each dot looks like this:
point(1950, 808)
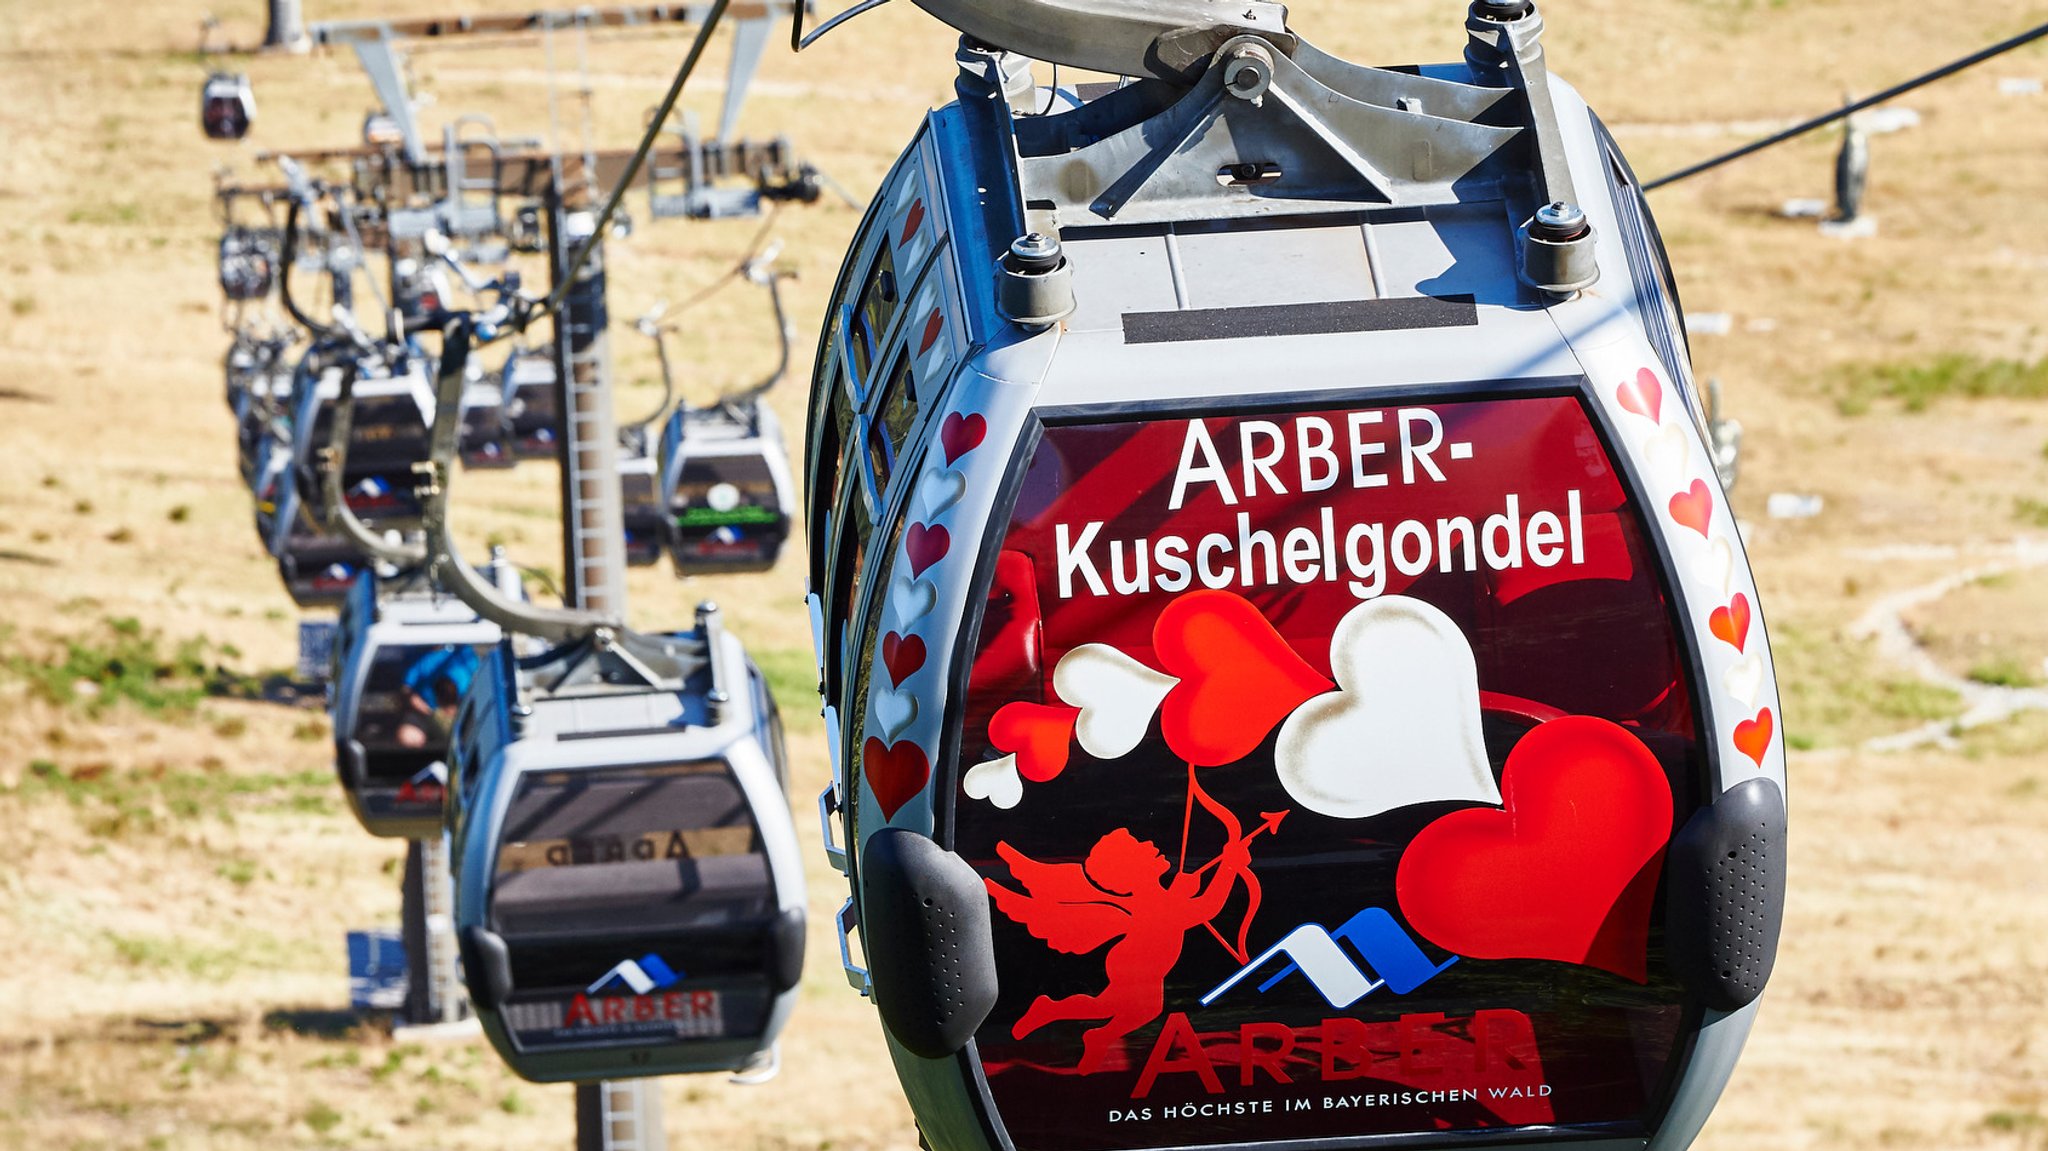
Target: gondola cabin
point(404, 656)
point(270, 486)
point(316, 566)
point(248, 262)
point(484, 441)
point(629, 892)
point(254, 369)
point(393, 413)
point(640, 507)
point(725, 479)
point(227, 106)
point(259, 399)
point(529, 408)
point(1293, 674)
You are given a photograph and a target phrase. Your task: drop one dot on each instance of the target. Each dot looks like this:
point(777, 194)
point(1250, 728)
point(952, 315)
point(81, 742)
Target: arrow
point(1268, 821)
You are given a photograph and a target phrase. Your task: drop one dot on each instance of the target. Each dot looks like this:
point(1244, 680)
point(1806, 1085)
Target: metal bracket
point(848, 919)
point(1167, 39)
point(828, 814)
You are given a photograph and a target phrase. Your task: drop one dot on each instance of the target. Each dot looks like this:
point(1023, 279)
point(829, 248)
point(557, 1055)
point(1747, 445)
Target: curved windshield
point(637, 903)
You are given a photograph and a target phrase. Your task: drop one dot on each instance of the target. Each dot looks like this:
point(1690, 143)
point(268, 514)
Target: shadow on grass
point(314, 1023)
point(309, 1022)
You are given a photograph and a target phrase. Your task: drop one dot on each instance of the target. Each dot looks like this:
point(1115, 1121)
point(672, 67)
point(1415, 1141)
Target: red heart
point(910, 224)
point(1753, 736)
point(961, 434)
point(1643, 395)
point(896, 773)
point(1694, 507)
point(902, 656)
point(1565, 869)
point(1040, 735)
point(925, 546)
point(1238, 677)
point(1731, 624)
point(931, 331)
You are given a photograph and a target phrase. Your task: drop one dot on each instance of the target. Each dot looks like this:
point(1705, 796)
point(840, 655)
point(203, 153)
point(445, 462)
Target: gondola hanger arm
point(1168, 39)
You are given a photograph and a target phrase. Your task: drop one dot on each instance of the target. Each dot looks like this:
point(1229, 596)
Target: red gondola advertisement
point(1320, 765)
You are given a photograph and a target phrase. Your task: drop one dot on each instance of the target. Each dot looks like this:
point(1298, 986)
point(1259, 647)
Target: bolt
point(1501, 11)
point(1034, 253)
point(1558, 221)
point(1249, 71)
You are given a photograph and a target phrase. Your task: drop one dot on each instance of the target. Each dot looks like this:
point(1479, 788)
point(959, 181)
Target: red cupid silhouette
point(1116, 894)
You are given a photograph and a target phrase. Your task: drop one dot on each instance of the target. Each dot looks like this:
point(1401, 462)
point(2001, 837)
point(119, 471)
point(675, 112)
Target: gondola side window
point(889, 425)
point(850, 549)
point(410, 697)
point(873, 311)
point(1649, 266)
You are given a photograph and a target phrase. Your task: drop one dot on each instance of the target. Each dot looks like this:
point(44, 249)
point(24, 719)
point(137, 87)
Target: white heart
point(1117, 696)
point(1402, 728)
point(1743, 679)
point(912, 599)
point(1718, 566)
point(896, 710)
point(1667, 453)
point(996, 781)
point(940, 489)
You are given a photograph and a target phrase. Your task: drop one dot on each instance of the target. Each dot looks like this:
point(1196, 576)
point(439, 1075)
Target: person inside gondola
point(434, 686)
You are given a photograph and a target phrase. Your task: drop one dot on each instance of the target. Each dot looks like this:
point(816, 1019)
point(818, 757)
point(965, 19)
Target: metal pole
point(433, 993)
point(593, 526)
point(413, 929)
point(623, 1115)
point(287, 31)
point(620, 1115)
point(446, 996)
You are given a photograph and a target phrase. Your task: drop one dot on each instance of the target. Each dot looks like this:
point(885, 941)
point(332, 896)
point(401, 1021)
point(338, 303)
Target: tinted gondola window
point(851, 545)
point(411, 694)
point(873, 312)
point(890, 424)
point(726, 490)
point(659, 867)
point(1388, 724)
point(1656, 289)
point(828, 458)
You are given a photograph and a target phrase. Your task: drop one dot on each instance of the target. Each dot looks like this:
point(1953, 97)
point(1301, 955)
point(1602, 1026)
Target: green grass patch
point(2014, 1122)
point(2004, 671)
point(115, 804)
point(122, 662)
point(2034, 512)
point(1916, 386)
point(1836, 692)
point(179, 956)
point(322, 1118)
point(792, 676)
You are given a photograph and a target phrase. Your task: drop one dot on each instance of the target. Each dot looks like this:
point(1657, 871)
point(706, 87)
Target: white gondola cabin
point(227, 106)
point(404, 656)
point(529, 409)
point(1282, 635)
point(629, 892)
point(393, 412)
point(725, 480)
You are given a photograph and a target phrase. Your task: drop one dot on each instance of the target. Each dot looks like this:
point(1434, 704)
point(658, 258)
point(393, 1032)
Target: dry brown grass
point(174, 888)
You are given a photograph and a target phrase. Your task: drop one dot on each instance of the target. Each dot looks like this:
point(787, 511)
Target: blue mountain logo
point(639, 976)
